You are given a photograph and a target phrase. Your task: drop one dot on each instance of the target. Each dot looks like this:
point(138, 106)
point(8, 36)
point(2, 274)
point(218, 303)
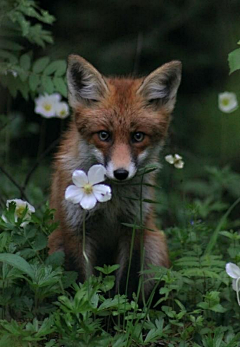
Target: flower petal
point(74, 194)
point(79, 178)
point(177, 157)
point(88, 201)
point(21, 203)
point(233, 270)
point(55, 97)
point(102, 192)
point(227, 102)
point(169, 158)
point(96, 174)
point(179, 164)
point(62, 110)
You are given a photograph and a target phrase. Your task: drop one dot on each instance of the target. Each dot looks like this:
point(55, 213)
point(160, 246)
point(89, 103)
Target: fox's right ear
point(85, 83)
point(160, 87)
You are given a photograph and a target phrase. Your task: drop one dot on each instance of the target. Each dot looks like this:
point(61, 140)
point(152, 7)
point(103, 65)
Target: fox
point(120, 123)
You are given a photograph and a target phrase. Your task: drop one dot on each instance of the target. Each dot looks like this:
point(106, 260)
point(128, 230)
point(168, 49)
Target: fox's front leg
point(154, 252)
point(72, 246)
point(56, 241)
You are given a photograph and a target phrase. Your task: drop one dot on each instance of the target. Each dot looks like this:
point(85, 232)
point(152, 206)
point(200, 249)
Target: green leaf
point(40, 64)
point(34, 81)
point(234, 60)
point(47, 84)
point(46, 328)
point(108, 283)
point(200, 273)
point(8, 56)
point(214, 236)
point(218, 308)
point(62, 67)
point(60, 85)
point(121, 339)
point(153, 335)
point(40, 242)
point(58, 66)
point(56, 259)
point(107, 269)
point(17, 262)
point(10, 45)
point(25, 62)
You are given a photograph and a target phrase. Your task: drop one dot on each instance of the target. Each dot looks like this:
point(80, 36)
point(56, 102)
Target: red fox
point(120, 123)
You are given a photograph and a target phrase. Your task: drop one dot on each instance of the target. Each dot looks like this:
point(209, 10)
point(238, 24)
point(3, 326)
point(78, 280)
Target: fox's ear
point(160, 87)
point(85, 83)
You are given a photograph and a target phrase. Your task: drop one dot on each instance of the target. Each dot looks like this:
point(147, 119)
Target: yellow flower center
point(62, 113)
point(19, 211)
point(225, 102)
point(47, 107)
point(88, 188)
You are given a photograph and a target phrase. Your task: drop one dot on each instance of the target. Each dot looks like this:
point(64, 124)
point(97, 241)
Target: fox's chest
point(105, 220)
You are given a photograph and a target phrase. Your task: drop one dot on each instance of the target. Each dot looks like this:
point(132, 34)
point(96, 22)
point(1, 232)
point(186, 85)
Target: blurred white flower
point(13, 72)
point(85, 190)
point(19, 211)
point(45, 105)
point(234, 272)
point(50, 106)
point(62, 110)
point(176, 160)
point(227, 102)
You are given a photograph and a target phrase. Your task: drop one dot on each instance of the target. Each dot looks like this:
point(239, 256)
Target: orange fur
point(122, 107)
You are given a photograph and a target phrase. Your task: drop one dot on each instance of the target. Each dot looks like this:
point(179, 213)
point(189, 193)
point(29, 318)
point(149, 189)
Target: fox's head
point(123, 120)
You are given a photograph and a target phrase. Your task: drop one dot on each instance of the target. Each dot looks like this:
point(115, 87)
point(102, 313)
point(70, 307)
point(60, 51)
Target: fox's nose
point(120, 174)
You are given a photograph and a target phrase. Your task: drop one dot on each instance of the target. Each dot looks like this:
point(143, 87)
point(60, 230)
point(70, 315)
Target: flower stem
point(84, 251)
point(84, 243)
point(141, 279)
point(238, 290)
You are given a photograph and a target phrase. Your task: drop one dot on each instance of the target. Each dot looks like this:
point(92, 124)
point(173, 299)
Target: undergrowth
point(42, 304)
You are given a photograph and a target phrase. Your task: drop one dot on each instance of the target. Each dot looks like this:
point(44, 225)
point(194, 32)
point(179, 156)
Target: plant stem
point(141, 241)
point(213, 239)
point(84, 249)
point(237, 288)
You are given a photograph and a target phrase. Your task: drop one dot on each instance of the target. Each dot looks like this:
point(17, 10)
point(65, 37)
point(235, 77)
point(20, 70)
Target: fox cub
point(120, 123)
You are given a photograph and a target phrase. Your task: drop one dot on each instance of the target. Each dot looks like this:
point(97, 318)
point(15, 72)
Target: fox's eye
point(104, 135)
point(138, 137)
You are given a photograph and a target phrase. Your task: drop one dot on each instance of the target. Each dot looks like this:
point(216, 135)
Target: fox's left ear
point(160, 87)
point(85, 84)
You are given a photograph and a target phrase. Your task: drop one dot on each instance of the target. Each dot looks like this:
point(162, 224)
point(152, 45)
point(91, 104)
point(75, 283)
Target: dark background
point(135, 37)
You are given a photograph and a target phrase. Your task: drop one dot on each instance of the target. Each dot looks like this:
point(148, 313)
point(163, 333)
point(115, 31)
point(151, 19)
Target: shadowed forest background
point(134, 38)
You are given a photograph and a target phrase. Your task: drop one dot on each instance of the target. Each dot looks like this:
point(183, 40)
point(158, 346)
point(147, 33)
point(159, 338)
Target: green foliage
point(234, 60)
point(41, 302)
point(19, 71)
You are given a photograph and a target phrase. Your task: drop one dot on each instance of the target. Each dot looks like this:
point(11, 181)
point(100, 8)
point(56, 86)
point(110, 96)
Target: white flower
point(85, 190)
point(62, 110)
point(176, 160)
point(45, 105)
point(234, 272)
point(227, 102)
point(13, 72)
point(19, 210)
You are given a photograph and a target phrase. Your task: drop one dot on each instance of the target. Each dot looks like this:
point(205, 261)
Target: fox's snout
point(120, 172)
point(120, 164)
